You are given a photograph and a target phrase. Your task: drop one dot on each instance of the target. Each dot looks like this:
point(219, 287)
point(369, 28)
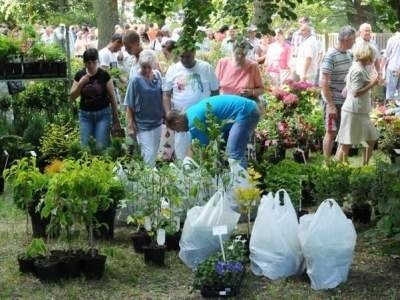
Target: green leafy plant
point(331, 182)
point(49, 52)
point(249, 197)
point(57, 140)
point(214, 272)
point(79, 190)
point(36, 248)
point(8, 46)
point(28, 184)
point(362, 180)
point(287, 175)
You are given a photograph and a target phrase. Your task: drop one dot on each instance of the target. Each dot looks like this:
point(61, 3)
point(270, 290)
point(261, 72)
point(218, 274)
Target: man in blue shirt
point(241, 113)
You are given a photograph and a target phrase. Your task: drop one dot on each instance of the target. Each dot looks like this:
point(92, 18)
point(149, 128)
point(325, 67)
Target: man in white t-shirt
point(107, 58)
point(307, 56)
point(186, 83)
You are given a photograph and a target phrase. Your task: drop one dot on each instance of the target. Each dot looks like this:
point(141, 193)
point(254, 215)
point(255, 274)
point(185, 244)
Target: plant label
point(178, 223)
point(147, 223)
point(5, 153)
point(160, 237)
point(33, 153)
point(397, 151)
point(220, 230)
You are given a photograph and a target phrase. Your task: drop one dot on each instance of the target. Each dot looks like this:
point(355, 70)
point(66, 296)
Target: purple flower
point(228, 267)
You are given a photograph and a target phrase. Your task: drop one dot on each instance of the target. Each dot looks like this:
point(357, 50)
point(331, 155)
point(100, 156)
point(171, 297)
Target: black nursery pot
point(361, 214)
point(47, 269)
point(139, 240)
point(93, 266)
point(25, 265)
point(106, 220)
point(219, 292)
point(154, 255)
point(172, 240)
point(71, 266)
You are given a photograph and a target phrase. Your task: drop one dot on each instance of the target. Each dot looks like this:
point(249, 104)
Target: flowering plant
point(249, 197)
point(216, 273)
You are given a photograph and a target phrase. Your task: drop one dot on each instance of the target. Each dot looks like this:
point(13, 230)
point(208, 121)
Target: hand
point(132, 130)
point(84, 79)
point(248, 93)
point(344, 92)
point(332, 110)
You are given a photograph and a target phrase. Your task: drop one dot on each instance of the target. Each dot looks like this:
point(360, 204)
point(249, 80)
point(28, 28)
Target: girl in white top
point(355, 125)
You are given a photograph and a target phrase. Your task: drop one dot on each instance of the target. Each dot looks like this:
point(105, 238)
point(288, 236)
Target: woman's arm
point(366, 87)
point(114, 107)
point(131, 124)
point(77, 86)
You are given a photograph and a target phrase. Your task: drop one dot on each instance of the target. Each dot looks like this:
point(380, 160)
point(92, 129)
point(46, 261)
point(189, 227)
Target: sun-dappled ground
point(372, 276)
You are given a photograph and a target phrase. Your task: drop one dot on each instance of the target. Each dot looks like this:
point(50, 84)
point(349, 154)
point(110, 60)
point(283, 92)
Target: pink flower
point(290, 99)
point(302, 85)
point(283, 127)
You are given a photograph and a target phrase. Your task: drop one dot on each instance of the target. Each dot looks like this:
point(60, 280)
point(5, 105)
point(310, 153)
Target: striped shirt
point(336, 64)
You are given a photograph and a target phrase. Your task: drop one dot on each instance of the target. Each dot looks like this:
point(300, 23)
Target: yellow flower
point(54, 167)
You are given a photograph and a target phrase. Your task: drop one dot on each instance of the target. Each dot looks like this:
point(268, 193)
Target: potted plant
point(36, 249)
point(221, 275)
point(28, 185)
point(249, 197)
point(390, 136)
point(362, 180)
point(46, 60)
point(10, 57)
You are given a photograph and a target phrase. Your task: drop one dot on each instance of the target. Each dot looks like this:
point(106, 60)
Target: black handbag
point(15, 87)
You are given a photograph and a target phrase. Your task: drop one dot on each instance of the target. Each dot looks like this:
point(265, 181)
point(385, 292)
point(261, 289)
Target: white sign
point(147, 223)
point(220, 230)
point(33, 153)
point(397, 151)
point(160, 237)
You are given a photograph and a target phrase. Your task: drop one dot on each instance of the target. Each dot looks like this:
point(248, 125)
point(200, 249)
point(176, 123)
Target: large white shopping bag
point(327, 240)
point(197, 241)
point(274, 245)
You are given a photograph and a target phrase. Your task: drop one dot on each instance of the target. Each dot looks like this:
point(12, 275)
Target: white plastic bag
point(274, 245)
point(327, 240)
point(197, 241)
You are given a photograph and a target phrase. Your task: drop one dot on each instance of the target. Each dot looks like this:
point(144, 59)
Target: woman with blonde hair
point(355, 125)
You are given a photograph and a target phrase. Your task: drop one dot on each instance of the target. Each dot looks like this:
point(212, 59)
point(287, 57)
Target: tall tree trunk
point(106, 18)
point(359, 12)
point(122, 15)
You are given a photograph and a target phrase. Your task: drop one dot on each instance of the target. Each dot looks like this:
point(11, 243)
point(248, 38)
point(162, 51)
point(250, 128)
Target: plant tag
point(222, 293)
point(220, 230)
point(178, 223)
point(33, 153)
point(160, 237)
point(5, 153)
point(147, 223)
point(397, 151)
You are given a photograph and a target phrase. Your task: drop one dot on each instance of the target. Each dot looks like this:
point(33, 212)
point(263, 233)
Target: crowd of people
point(162, 86)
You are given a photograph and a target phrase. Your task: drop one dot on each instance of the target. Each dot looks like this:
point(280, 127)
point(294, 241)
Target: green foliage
point(36, 248)
point(362, 180)
point(8, 46)
point(386, 192)
point(48, 52)
point(287, 175)
point(26, 181)
point(206, 274)
point(34, 131)
point(5, 103)
point(48, 97)
point(57, 140)
point(78, 191)
point(331, 182)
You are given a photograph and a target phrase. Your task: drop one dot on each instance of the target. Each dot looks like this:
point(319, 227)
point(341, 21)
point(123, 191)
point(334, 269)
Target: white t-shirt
point(107, 58)
point(308, 48)
point(189, 86)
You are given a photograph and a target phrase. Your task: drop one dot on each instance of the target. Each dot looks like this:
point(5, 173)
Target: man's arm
point(167, 101)
point(327, 94)
point(307, 64)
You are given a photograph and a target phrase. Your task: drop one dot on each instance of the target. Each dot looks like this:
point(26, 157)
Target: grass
point(372, 276)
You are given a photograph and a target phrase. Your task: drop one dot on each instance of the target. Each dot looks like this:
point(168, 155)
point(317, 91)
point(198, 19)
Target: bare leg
point(368, 152)
point(344, 152)
point(327, 145)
